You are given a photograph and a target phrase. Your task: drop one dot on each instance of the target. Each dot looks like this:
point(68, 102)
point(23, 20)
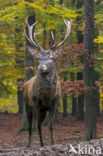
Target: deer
point(42, 92)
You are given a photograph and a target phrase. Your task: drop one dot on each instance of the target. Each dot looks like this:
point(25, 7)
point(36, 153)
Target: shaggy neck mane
point(47, 80)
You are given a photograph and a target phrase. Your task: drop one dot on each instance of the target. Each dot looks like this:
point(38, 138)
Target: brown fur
point(31, 92)
point(28, 88)
point(41, 93)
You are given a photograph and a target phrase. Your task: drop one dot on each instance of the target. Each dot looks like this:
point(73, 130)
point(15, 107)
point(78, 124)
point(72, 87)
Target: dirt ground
point(66, 131)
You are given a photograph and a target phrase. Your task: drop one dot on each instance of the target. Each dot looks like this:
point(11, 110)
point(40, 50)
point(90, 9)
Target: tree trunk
point(80, 105)
point(60, 2)
point(70, 4)
point(44, 37)
point(79, 5)
point(97, 75)
point(20, 95)
point(19, 64)
point(98, 2)
point(65, 103)
point(29, 61)
point(74, 105)
point(65, 106)
point(56, 119)
point(88, 75)
point(29, 72)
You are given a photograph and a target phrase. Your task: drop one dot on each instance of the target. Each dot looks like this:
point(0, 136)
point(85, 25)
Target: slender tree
point(72, 4)
point(19, 64)
point(80, 99)
point(80, 104)
point(64, 100)
point(79, 5)
point(20, 95)
point(88, 75)
point(74, 100)
point(29, 61)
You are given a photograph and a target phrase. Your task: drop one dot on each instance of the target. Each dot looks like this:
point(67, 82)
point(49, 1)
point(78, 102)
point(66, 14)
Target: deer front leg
point(40, 120)
point(51, 114)
point(40, 134)
point(51, 117)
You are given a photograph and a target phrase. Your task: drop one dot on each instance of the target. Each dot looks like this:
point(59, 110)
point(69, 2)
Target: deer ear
point(32, 51)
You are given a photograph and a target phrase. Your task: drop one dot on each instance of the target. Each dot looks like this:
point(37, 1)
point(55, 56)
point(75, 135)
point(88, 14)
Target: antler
point(68, 25)
point(30, 36)
point(52, 36)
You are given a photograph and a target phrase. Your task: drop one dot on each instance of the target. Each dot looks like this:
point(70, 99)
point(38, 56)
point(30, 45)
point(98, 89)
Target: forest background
point(14, 66)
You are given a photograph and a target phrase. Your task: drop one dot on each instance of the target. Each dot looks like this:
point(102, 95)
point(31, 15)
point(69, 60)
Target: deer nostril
point(42, 67)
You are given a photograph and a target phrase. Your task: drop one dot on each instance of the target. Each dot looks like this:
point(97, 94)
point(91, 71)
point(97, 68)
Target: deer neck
point(47, 83)
point(47, 79)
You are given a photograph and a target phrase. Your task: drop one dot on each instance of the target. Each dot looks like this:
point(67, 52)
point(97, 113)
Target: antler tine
point(30, 32)
point(37, 42)
point(30, 38)
point(68, 25)
point(52, 35)
point(52, 39)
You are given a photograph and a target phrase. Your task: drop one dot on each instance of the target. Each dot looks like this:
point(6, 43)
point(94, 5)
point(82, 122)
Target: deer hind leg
point(30, 132)
point(32, 119)
point(40, 120)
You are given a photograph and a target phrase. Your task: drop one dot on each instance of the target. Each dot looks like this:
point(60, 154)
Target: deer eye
point(51, 57)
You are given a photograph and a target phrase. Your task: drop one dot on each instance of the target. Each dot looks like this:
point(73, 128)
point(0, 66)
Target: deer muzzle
point(42, 68)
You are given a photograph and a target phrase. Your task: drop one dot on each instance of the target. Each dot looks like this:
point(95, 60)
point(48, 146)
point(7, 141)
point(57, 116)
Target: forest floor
point(68, 130)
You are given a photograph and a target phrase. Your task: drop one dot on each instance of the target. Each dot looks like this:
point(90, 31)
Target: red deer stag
point(41, 93)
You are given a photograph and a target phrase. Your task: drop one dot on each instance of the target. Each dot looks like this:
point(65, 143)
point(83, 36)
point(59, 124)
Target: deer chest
point(47, 87)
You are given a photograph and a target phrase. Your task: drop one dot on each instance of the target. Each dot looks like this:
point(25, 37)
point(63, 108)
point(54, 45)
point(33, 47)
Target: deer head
point(46, 57)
